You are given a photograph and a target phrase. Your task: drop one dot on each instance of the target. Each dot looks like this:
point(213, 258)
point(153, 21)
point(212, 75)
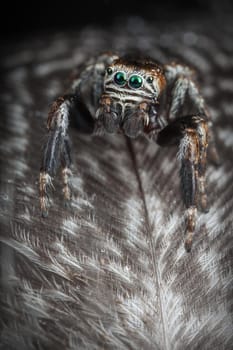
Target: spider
point(133, 95)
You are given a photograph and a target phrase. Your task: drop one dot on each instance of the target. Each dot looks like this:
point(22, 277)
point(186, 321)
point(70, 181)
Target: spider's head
point(131, 90)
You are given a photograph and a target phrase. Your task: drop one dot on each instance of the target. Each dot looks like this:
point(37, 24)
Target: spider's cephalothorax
point(135, 95)
point(131, 88)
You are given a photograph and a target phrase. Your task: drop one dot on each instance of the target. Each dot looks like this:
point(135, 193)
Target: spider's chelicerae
point(136, 95)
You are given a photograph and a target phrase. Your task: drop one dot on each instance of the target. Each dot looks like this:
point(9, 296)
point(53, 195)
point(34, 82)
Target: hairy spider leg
point(81, 101)
point(192, 152)
point(178, 97)
point(202, 109)
point(191, 132)
point(184, 92)
point(56, 150)
point(184, 89)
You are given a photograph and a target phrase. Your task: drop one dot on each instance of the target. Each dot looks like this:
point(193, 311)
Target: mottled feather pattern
point(111, 272)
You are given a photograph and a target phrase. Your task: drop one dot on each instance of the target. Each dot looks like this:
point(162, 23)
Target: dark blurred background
point(20, 20)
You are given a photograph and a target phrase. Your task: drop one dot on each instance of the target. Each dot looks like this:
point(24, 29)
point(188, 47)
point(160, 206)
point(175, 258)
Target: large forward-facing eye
point(135, 81)
point(120, 78)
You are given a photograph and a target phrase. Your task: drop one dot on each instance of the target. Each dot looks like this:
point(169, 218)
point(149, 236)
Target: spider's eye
point(109, 70)
point(135, 81)
point(120, 78)
point(150, 79)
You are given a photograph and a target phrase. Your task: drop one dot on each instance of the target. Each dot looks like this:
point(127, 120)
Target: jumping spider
point(136, 95)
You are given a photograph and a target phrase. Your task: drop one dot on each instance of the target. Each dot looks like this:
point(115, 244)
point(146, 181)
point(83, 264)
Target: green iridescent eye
point(109, 70)
point(135, 81)
point(120, 78)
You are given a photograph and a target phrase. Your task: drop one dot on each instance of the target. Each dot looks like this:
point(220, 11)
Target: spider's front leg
point(56, 150)
point(191, 133)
